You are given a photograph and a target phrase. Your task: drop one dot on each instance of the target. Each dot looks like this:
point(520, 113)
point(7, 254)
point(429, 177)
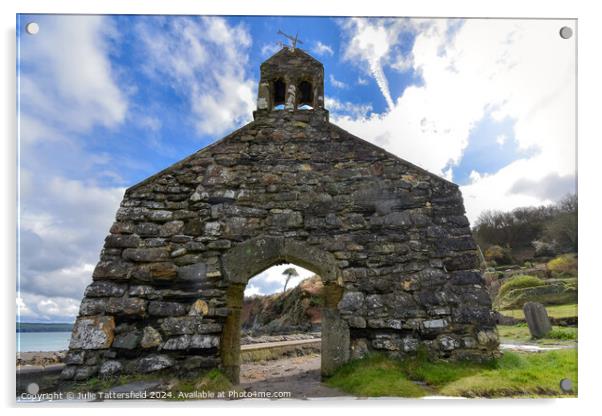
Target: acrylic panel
point(241, 207)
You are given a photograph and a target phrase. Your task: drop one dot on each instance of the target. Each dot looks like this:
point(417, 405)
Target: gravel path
point(298, 375)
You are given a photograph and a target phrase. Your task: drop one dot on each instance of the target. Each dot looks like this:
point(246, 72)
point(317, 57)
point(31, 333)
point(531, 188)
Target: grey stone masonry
point(390, 240)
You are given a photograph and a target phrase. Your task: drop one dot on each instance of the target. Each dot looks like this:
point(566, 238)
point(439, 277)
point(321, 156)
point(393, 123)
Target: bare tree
point(290, 272)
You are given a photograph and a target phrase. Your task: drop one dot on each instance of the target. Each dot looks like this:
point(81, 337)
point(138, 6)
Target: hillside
point(296, 310)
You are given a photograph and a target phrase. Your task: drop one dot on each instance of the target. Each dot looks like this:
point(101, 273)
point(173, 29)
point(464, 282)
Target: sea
point(42, 341)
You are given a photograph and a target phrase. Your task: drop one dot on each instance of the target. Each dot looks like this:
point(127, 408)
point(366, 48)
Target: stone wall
point(400, 245)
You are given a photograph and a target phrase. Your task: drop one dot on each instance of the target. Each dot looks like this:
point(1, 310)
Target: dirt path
point(298, 375)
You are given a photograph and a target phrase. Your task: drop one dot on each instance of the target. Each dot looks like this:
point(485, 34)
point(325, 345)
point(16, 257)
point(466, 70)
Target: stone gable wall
point(405, 259)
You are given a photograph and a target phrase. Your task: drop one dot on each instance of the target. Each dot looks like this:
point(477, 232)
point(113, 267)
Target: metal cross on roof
point(294, 39)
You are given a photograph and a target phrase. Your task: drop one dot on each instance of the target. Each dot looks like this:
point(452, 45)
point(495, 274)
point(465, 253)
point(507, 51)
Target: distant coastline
point(24, 327)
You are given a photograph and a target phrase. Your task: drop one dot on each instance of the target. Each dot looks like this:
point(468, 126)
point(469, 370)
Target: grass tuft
point(375, 376)
point(519, 282)
point(512, 375)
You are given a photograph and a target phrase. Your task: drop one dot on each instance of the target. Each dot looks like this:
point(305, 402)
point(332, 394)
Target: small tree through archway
point(281, 329)
point(283, 301)
point(289, 272)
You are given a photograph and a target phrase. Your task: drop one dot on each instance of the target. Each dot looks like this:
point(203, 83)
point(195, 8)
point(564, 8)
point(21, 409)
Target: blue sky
point(106, 101)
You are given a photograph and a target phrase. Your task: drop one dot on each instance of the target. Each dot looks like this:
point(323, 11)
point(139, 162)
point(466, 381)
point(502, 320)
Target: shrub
point(545, 248)
point(519, 282)
point(499, 255)
point(563, 334)
point(565, 264)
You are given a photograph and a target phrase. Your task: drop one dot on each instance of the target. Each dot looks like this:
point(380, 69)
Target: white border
point(589, 72)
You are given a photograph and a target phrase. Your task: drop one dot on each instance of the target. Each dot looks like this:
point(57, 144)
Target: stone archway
point(248, 259)
point(389, 239)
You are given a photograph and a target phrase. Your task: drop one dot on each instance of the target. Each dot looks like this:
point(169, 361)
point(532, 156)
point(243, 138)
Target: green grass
point(555, 311)
point(520, 334)
point(96, 384)
point(213, 381)
point(375, 376)
point(512, 375)
point(519, 282)
point(515, 375)
point(563, 334)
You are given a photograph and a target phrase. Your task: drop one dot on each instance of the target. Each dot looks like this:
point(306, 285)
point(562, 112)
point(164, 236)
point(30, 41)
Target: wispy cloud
point(346, 108)
point(369, 44)
point(362, 81)
point(336, 83)
point(321, 49)
point(269, 49)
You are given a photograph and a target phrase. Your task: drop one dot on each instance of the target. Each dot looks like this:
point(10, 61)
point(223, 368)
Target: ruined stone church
point(389, 240)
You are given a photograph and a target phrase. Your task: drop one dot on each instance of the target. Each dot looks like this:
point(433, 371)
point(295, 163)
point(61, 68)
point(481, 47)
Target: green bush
point(563, 265)
point(519, 282)
point(563, 333)
point(498, 255)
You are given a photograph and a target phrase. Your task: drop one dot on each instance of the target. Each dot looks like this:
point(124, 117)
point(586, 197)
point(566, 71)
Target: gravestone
point(537, 319)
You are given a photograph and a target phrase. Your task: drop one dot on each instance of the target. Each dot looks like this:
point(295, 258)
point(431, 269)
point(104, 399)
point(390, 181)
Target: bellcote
point(291, 80)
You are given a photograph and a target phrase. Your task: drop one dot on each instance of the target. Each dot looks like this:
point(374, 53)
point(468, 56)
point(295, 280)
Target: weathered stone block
point(110, 368)
point(448, 342)
point(158, 308)
point(105, 289)
point(151, 338)
point(146, 254)
point(112, 270)
point(537, 319)
point(163, 271)
point(159, 215)
point(351, 302)
point(92, 306)
point(122, 241)
point(147, 229)
point(85, 372)
point(154, 363)
point(199, 308)
point(178, 343)
point(126, 306)
point(127, 340)
point(194, 272)
point(92, 333)
point(74, 357)
point(204, 341)
point(171, 228)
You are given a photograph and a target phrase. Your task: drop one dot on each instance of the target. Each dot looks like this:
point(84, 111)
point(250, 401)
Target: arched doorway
point(246, 260)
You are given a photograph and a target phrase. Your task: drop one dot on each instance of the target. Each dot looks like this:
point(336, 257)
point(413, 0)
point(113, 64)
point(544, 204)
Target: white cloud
point(205, 60)
point(68, 77)
point(336, 83)
point(370, 45)
point(322, 49)
point(516, 69)
point(272, 280)
point(341, 108)
point(270, 49)
point(501, 139)
point(63, 225)
point(68, 87)
point(362, 81)
point(41, 308)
